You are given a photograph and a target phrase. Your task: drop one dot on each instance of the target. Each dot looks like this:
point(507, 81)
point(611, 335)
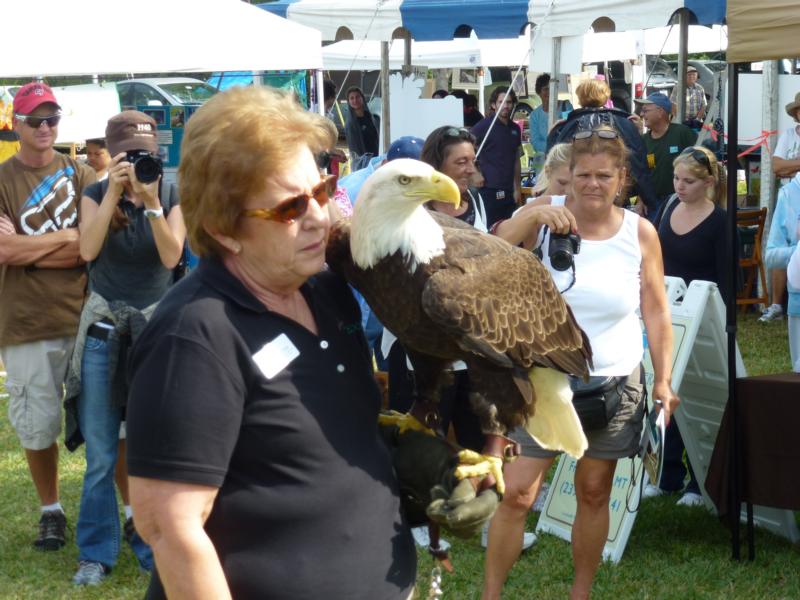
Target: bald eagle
point(450, 292)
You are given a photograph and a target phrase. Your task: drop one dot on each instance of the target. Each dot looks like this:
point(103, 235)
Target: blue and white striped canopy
point(430, 20)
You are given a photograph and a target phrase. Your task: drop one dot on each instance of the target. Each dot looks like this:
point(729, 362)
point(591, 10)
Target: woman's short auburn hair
point(230, 146)
point(593, 93)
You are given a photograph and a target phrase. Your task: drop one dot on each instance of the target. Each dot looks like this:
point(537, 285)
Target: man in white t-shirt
point(786, 165)
point(786, 158)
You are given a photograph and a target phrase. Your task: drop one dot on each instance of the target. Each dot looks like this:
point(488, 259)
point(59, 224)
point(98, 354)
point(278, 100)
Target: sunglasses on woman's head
point(294, 208)
point(699, 156)
point(36, 122)
point(460, 132)
point(603, 134)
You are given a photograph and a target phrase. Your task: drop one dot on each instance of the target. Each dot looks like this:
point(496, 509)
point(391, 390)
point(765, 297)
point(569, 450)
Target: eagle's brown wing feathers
point(473, 295)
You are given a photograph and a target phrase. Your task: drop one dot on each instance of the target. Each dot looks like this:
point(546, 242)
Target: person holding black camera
point(132, 235)
point(610, 265)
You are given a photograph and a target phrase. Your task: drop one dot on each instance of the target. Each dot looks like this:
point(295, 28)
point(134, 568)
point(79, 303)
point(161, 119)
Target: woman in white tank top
point(617, 271)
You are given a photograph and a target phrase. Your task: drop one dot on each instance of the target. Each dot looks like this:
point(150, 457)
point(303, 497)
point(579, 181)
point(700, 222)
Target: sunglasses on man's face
point(700, 157)
point(36, 122)
point(603, 134)
point(294, 208)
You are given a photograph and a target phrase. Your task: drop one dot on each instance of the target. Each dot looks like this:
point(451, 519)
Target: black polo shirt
point(499, 153)
point(226, 393)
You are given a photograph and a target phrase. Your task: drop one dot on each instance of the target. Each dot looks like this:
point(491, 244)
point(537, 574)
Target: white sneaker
point(423, 539)
point(691, 499)
point(773, 312)
point(528, 539)
point(652, 491)
point(541, 498)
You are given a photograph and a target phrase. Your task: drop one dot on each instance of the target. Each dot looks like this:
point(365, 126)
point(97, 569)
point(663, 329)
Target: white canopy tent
point(575, 17)
point(459, 52)
point(701, 39)
point(619, 45)
point(560, 27)
point(365, 19)
point(152, 36)
point(622, 45)
point(472, 52)
point(365, 55)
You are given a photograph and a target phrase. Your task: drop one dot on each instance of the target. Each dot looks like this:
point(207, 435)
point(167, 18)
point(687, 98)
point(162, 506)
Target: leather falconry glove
point(429, 489)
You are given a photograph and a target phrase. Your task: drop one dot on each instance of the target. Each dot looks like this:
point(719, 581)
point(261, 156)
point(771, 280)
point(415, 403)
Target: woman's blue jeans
point(98, 533)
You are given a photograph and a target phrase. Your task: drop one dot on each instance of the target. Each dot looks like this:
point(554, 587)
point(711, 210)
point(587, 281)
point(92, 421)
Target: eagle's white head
point(389, 215)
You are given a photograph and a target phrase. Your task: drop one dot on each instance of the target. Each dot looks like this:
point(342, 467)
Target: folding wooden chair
point(751, 227)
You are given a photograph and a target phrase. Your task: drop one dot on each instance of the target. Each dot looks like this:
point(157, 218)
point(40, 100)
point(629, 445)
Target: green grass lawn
point(673, 552)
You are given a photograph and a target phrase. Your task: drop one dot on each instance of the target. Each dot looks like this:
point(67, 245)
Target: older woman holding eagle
point(617, 271)
point(257, 468)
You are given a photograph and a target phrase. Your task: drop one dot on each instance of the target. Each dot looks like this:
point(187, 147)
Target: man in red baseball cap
point(31, 95)
point(41, 294)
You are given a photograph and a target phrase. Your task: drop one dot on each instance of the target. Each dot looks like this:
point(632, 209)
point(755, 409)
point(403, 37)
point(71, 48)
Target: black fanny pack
point(596, 401)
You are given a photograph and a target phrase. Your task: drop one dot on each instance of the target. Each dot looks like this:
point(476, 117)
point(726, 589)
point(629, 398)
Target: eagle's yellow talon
point(404, 422)
point(472, 464)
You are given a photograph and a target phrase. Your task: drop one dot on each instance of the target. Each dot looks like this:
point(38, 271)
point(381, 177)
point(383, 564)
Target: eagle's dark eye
point(404, 179)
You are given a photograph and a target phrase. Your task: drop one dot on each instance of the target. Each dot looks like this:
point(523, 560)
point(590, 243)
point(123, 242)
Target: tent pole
point(730, 302)
point(770, 88)
point(683, 52)
point(552, 107)
point(481, 84)
point(406, 53)
point(320, 91)
point(385, 117)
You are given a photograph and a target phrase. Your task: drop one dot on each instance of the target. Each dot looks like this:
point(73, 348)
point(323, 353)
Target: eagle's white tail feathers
point(555, 424)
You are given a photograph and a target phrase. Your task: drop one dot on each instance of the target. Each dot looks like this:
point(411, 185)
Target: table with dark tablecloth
point(769, 461)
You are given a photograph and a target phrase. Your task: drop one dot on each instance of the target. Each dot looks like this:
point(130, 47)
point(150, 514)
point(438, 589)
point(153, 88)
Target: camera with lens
point(561, 249)
point(148, 168)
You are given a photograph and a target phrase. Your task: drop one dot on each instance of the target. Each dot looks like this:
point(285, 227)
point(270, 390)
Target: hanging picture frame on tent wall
point(465, 79)
point(520, 85)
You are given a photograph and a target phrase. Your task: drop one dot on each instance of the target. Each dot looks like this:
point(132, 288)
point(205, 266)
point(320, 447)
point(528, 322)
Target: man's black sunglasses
point(699, 156)
point(36, 122)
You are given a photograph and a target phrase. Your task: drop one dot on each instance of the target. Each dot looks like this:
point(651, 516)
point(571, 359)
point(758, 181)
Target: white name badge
point(276, 355)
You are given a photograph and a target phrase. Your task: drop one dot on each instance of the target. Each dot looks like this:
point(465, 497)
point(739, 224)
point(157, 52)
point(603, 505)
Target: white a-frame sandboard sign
point(700, 378)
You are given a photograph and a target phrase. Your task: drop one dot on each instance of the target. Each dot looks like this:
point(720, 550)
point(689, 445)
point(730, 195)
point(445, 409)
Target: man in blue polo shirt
point(499, 157)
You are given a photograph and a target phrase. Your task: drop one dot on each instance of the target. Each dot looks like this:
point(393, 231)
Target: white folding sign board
point(700, 378)
point(86, 110)
point(412, 115)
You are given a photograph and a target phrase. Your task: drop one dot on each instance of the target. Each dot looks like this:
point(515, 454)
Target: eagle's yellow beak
point(446, 189)
point(437, 186)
